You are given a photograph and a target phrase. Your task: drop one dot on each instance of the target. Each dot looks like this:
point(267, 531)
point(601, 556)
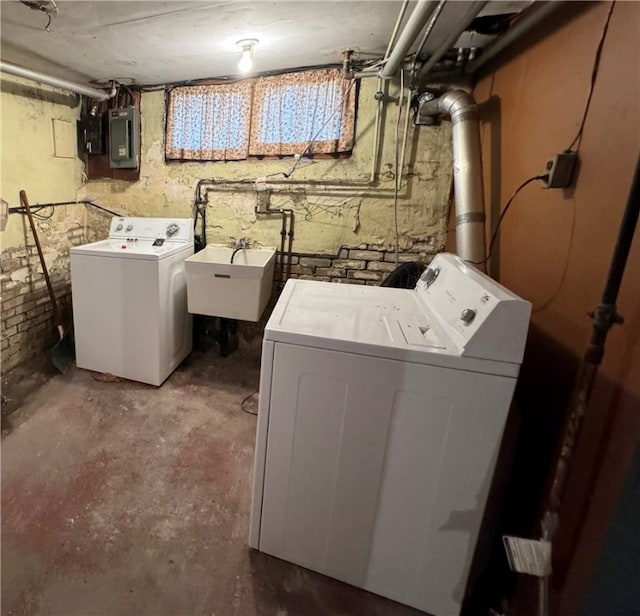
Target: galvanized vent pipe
point(467, 171)
point(72, 86)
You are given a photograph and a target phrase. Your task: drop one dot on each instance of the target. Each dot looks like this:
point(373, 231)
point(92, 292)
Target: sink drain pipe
point(467, 171)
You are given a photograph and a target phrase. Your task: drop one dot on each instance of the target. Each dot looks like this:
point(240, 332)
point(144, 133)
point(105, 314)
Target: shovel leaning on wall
point(63, 352)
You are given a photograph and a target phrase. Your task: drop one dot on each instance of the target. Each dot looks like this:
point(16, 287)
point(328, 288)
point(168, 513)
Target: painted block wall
point(29, 163)
point(327, 219)
point(333, 223)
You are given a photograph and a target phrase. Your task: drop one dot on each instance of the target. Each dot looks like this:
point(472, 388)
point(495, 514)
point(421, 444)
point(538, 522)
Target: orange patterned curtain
point(209, 122)
point(267, 116)
point(292, 109)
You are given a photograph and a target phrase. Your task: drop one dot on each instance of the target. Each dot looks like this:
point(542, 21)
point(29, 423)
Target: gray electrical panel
point(124, 137)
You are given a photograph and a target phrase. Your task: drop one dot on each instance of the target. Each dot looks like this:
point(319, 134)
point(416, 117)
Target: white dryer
point(380, 418)
point(130, 299)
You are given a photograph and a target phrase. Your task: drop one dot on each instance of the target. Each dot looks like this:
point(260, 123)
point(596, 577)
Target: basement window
point(267, 116)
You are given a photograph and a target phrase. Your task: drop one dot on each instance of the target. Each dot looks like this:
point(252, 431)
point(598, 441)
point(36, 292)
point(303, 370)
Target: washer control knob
point(172, 229)
point(468, 314)
point(430, 275)
point(129, 227)
point(119, 227)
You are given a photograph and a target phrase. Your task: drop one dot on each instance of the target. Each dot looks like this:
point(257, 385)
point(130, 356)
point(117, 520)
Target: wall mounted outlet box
point(560, 170)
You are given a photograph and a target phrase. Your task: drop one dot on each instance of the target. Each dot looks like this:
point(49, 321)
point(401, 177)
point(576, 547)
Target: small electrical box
point(124, 137)
point(560, 170)
point(91, 134)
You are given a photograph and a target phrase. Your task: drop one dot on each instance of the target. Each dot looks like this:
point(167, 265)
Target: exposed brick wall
point(366, 264)
point(27, 319)
point(27, 325)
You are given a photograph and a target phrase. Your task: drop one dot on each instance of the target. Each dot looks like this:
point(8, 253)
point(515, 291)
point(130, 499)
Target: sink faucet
point(241, 244)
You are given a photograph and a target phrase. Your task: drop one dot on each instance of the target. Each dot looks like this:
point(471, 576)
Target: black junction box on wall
point(560, 170)
point(91, 134)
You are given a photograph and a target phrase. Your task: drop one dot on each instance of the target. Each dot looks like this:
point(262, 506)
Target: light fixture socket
point(246, 64)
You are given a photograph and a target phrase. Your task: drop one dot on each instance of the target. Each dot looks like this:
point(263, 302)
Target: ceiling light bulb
point(246, 63)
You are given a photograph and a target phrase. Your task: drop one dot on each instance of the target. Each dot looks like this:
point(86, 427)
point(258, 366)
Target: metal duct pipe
point(72, 86)
point(467, 171)
point(531, 18)
point(472, 12)
point(412, 28)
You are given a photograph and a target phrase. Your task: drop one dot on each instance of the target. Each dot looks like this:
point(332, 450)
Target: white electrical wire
point(407, 115)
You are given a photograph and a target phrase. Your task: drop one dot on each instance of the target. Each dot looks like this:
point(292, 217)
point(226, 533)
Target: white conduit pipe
point(413, 27)
point(376, 138)
point(392, 40)
point(404, 137)
point(467, 172)
point(430, 27)
point(376, 135)
point(72, 86)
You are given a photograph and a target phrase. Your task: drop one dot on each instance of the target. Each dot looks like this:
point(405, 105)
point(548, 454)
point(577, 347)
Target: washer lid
point(130, 249)
point(375, 321)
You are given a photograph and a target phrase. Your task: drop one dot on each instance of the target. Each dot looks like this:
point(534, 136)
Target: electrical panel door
point(124, 137)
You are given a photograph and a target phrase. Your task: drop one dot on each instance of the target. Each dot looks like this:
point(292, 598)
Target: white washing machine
point(130, 299)
point(380, 418)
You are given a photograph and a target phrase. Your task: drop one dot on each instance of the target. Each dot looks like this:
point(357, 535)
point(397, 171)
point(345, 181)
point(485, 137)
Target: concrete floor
point(125, 499)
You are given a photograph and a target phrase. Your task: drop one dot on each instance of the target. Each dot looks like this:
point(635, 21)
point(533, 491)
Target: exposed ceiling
point(153, 42)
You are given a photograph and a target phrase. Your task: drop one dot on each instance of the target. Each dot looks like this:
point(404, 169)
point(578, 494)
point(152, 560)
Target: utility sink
point(238, 290)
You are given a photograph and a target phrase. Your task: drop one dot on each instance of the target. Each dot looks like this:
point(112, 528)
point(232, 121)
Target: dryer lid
point(455, 311)
point(373, 315)
point(380, 322)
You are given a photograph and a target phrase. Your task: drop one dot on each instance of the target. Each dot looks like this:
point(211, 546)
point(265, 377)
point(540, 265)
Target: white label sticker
point(528, 556)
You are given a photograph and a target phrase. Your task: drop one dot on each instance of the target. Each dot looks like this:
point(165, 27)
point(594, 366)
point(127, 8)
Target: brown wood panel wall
point(555, 248)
